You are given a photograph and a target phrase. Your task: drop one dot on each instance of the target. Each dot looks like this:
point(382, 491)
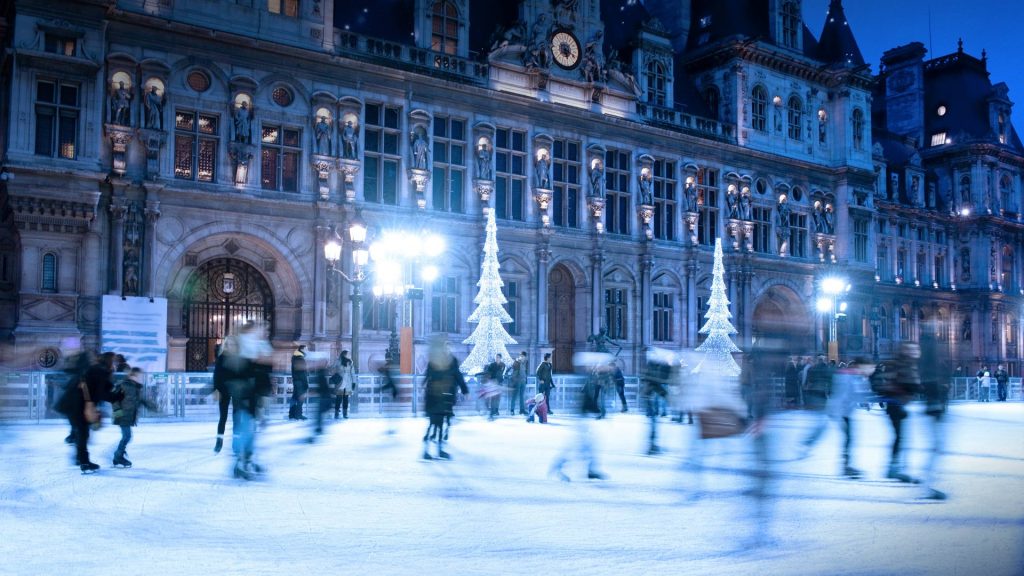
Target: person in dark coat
point(596, 366)
point(935, 378)
point(223, 389)
point(816, 391)
point(96, 386)
point(1002, 380)
point(898, 390)
point(75, 367)
point(545, 383)
point(517, 384)
point(126, 412)
point(659, 373)
point(300, 383)
point(792, 376)
point(494, 375)
point(441, 382)
point(620, 385)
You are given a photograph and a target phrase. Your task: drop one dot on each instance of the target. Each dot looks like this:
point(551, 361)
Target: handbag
point(91, 414)
point(720, 423)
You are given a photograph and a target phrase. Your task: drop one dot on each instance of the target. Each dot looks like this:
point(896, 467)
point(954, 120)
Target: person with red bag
point(96, 386)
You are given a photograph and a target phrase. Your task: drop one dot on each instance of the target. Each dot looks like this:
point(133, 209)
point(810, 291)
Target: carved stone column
point(154, 141)
point(541, 297)
point(646, 299)
point(691, 219)
point(596, 205)
point(692, 317)
point(748, 235)
point(349, 168)
point(120, 137)
point(597, 287)
point(646, 214)
point(152, 213)
point(323, 166)
point(118, 209)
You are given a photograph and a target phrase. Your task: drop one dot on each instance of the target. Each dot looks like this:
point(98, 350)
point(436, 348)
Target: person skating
point(441, 382)
point(223, 390)
point(1002, 380)
point(898, 388)
point(126, 412)
point(849, 386)
point(545, 383)
point(517, 384)
point(935, 380)
point(595, 365)
point(658, 373)
point(345, 385)
point(96, 386)
point(816, 390)
point(493, 375)
point(300, 383)
point(248, 360)
point(620, 386)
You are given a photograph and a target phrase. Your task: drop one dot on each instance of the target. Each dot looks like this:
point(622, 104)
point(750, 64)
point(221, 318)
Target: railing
point(686, 122)
point(426, 61)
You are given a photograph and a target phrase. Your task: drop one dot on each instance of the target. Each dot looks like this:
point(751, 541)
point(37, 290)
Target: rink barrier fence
point(187, 396)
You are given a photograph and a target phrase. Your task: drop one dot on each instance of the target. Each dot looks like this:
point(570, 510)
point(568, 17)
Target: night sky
point(993, 25)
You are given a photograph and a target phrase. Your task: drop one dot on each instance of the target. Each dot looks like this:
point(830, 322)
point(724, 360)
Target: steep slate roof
point(837, 45)
point(622, 19)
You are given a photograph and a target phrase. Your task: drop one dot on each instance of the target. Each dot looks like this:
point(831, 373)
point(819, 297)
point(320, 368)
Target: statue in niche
point(894, 186)
point(596, 178)
point(829, 220)
point(691, 197)
point(646, 196)
point(965, 330)
point(154, 104)
point(746, 210)
point(121, 106)
point(782, 225)
point(131, 281)
point(483, 161)
point(930, 200)
point(420, 150)
point(965, 192)
point(915, 188)
point(965, 265)
point(542, 169)
point(242, 123)
point(349, 141)
point(818, 217)
point(733, 203)
point(322, 136)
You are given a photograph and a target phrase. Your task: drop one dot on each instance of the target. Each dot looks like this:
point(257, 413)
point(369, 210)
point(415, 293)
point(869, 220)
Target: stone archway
point(561, 317)
point(781, 322)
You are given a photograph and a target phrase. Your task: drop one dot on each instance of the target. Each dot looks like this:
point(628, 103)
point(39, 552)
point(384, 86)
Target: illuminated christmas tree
point(718, 346)
point(489, 337)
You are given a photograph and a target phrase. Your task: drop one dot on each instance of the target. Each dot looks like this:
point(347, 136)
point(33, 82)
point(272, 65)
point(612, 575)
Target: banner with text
point(137, 328)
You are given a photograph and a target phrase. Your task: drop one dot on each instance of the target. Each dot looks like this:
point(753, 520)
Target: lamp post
point(395, 258)
point(360, 257)
point(876, 325)
point(833, 303)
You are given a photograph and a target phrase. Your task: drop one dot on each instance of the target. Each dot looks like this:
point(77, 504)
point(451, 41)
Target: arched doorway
point(781, 325)
point(219, 295)
point(561, 317)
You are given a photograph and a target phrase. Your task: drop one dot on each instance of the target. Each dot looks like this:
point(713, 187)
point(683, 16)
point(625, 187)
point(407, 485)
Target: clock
point(565, 49)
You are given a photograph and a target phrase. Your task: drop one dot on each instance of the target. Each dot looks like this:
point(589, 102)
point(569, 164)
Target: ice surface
point(363, 502)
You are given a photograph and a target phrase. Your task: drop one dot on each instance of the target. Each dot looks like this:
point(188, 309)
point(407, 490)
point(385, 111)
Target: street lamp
point(360, 257)
point(395, 257)
point(876, 325)
point(833, 303)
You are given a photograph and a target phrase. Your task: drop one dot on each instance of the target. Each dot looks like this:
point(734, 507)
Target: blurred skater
point(816, 390)
point(849, 388)
point(935, 380)
point(595, 365)
point(537, 407)
point(300, 383)
point(899, 388)
point(126, 412)
point(248, 362)
point(223, 390)
point(545, 383)
point(83, 401)
point(319, 367)
point(493, 375)
point(658, 373)
point(345, 385)
point(441, 382)
point(388, 372)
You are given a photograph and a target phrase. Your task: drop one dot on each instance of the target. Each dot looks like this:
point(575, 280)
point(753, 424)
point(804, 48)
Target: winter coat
point(849, 387)
point(518, 375)
point(819, 378)
point(300, 375)
point(98, 381)
point(440, 385)
point(544, 380)
point(905, 381)
point(1002, 377)
point(495, 371)
point(347, 385)
point(126, 412)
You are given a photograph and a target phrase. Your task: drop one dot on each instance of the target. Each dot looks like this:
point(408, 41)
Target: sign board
point(136, 327)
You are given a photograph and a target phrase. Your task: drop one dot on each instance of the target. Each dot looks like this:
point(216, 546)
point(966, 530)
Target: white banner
point(137, 328)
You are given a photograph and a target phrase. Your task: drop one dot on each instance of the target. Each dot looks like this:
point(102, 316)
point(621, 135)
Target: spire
point(837, 46)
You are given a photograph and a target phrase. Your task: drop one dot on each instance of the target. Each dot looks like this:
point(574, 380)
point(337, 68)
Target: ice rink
point(361, 501)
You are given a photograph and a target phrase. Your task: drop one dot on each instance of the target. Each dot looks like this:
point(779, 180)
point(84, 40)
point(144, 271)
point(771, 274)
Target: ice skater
point(126, 412)
point(537, 407)
point(96, 386)
point(441, 382)
point(596, 366)
point(345, 385)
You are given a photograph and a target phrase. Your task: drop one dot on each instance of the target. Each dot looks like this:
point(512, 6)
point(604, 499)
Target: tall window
point(759, 109)
point(56, 119)
point(940, 270)
point(512, 305)
point(566, 181)
point(444, 23)
point(794, 111)
point(901, 264)
point(616, 192)
point(1006, 194)
point(713, 100)
point(657, 84)
point(798, 234)
point(882, 263)
point(444, 305)
point(904, 325)
point(196, 139)
point(510, 173)
point(707, 196)
point(919, 268)
point(664, 200)
point(288, 8)
point(762, 229)
point(860, 240)
point(790, 25)
point(449, 163)
point(380, 314)
point(380, 154)
point(281, 149)
point(48, 281)
point(1011, 335)
point(663, 314)
point(615, 312)
point(858, 129)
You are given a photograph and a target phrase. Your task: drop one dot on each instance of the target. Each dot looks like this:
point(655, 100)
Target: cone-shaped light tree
point(489, 337)
point(718, 346)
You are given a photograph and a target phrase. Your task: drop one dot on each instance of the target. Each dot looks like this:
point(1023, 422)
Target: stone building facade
point(205, 151)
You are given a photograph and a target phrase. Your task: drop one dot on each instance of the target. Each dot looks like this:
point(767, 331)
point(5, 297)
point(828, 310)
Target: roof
point(837, 45)
point(390, 20)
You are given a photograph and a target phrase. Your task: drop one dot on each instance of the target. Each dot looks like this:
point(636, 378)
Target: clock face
point(565, 49)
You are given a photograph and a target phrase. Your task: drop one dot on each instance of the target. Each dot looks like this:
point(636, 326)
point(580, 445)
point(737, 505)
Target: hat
point(539, 397)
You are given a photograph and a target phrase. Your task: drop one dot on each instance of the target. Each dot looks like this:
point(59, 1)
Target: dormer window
point(657, 83)
point(58, 44)
point(444, 20)
point(790, 25)
point(289, 8)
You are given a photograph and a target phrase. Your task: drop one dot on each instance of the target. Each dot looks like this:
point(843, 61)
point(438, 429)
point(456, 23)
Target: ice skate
point(219, 444)
point(89, 468)
point(121, 461)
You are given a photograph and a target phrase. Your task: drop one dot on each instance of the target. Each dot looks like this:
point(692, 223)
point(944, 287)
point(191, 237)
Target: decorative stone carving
point(153, 140)
point(120, 136)
point(121, 104)
point(349, 168)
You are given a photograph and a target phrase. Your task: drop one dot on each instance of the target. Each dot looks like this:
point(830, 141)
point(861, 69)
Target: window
point(707, 197)
point(664, 200)
point(566, 181)
point(790, 25)
point(712, 99)
point(657, 84)
point(995, 329)
point(904, 325)
point(663, 314)
point(56, 119)
point(615, 312)
point(762, 229)
point(940, 270)
point(279, 158)
point(919, 268)
point(198, 81)
point(196, 138)
point(444, 305)
point(512, 305)
point(48, 282)
point(858, 129)
point(759, 109)
point(380, 154)
point(380, 314)
point(882, 263)
point(288, 8)
point(449, 164)
point(444, 22)
point(57, 44)
point(798, 234)
point(883, 324)
point(1011, 335)
point(860, 240)
point(938, 139)
point(510, 173)
point(616, 192)
point(282, 96)
point(794, 109)
point(1006, 193)
point(901, 264)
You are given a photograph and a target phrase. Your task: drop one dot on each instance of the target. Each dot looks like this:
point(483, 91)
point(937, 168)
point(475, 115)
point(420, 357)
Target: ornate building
point(205, 151)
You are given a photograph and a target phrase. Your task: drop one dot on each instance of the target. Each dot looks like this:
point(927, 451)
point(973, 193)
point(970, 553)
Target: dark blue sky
point(995, 25)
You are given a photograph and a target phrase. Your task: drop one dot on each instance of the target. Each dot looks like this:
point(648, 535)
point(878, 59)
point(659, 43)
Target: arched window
point(1011, 335)
point(904, 325)
point(444, 22)
point(657, 84)
point(1006, 194)
point(790, 24)
point(48, 282)
point(713, 100)
point(794, 110)
point(759, 109)
point(883, 324)
point(858, 129)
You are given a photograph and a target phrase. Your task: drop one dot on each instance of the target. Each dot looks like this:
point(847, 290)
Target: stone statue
point(483, 162)
point(322, 134)
point(420, 151)
point(782, 226)
point(597, 179)
point(538, 56)
point(601, 341)
point(965, 192)
point(731, 202)
point(915, 188)
point(746, 210)
point(828, 220)
point(691, 198)
point(121, 106)
point(818, 217)
point(593, 68)
point(154, 104)
point(242, 123)
point(565, 13)
point(646, 196)
point(542, 169)
point(894, 188)
point(349, 141)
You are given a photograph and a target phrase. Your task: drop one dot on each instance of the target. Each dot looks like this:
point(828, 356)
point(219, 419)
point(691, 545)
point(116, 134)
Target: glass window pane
point(457, 151)
point(292, 138)
point(372, 141)
point(437, 183)
point(440, 152)
point(440, 128)
point(390, 191)
point(68, 134)
point(183, 156)
point(391, 117)
point(373, 114)
point(456, 191)
point(390, 143)
point(208, 124)
point(290, 172)
point(44, 131)
point(68, 95)
point(207, 160)
point(268, 169)
point(46, 92)
point(458, 130)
